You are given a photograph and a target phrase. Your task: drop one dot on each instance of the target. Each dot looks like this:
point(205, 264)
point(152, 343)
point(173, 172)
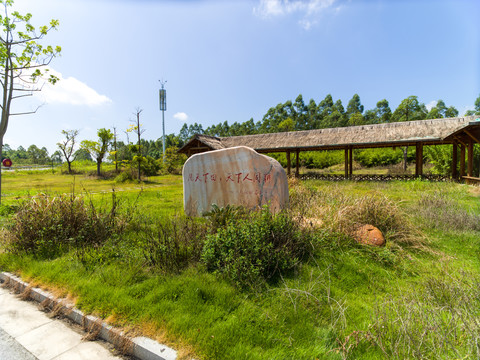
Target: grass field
point(416, 298)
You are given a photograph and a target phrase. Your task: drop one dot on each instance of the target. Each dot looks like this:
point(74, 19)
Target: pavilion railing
point(374, 177)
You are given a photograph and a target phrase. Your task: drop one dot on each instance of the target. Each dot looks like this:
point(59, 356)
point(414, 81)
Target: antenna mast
point(163, 108)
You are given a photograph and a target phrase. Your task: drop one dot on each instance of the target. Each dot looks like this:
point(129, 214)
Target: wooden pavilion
point(460, 132)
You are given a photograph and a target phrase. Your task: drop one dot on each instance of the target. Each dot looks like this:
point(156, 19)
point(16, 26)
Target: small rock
point(369, 235)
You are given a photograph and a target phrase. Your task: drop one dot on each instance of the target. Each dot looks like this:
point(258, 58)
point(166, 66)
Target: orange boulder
point(369, 235)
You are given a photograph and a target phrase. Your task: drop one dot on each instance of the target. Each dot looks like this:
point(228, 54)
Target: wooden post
point(289, 164)
point(462, 160)
point(346, 163)
point(350, 162)
point(297, 170)
point(470, 158)
point(454, 161)
point(418, 159)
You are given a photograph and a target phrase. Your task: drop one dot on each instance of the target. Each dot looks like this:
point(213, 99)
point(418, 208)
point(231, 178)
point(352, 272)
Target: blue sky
point(233, 60)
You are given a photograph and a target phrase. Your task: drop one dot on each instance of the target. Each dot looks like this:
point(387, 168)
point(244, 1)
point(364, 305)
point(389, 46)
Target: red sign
point(7, 162)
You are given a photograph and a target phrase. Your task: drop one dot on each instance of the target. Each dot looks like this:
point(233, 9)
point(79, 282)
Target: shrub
point(124, 176)
point(148, 165)
point(255, 249)
point(49, 226)
point(379, 157)
point(312, 159)
point(173, 161)
point(172, 245)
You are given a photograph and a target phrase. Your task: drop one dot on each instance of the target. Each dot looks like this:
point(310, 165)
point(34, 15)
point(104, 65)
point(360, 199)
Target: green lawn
point(344, 301)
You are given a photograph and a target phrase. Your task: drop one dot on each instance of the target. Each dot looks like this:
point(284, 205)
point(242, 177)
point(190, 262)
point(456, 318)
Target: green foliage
point(124, 176)
point(256, 249)
point(381, 157)
point(312, 159)
point(171, 245)
point(410, 109)
point(476, 111)
point(173, 161)
point(148, 165)
point(441, 158)
point(48, 226)
point(98, 149)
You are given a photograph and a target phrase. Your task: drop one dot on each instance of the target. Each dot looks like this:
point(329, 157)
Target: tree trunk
point(99, 163)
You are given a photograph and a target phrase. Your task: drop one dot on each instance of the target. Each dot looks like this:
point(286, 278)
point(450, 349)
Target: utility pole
point(163, 108)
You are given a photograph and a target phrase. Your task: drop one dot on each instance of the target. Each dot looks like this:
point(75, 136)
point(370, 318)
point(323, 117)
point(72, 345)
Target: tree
point(38, 156)
point(82, 155)
point(287, 125)
point(67, 147)
point(98, 149)
point(354, 105)
point(477, 108)
point(410, 109)
point(384, 113)
point(22, 58)
point(440, 110)
point(57, 157)
point(115, 151)
point(136, 128)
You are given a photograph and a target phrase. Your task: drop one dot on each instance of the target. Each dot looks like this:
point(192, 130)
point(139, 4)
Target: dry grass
point(443, 212)
point(338, 213)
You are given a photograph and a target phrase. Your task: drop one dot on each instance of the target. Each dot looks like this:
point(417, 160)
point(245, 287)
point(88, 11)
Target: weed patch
point(441, 211)
point(48, 226)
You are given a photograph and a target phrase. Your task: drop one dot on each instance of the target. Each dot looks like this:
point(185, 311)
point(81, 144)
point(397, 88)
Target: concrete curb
point(141, 348)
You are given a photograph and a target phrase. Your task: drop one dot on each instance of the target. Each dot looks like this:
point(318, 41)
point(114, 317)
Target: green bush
point(48, 226)
point(312, 159)
point(255, 249)
point(379, 157)
point(172, 245)
point(124, 176)
point(148, 165)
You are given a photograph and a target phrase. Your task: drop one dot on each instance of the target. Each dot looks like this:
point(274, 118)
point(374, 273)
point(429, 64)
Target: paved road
point(10, 349)
point(27, 334)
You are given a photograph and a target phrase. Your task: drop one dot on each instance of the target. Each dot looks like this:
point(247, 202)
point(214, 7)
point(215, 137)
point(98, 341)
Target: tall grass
point(333, 299)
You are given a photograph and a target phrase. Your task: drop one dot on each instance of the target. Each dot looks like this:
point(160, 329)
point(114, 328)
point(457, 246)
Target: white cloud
point(431, 105)
point(181, 116)
point(69, 90)
point(307, 9)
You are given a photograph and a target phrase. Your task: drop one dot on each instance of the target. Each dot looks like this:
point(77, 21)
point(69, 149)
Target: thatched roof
point(428, 132)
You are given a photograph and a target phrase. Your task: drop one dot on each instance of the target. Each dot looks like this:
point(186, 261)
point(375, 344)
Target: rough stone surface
point(236, 176)
point(369, 235)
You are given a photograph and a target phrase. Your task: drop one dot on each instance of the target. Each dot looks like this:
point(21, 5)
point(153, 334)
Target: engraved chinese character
point(247, 178)
point(238, 177)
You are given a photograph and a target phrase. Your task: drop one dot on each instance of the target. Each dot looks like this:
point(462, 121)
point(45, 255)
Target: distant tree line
point(297, 115)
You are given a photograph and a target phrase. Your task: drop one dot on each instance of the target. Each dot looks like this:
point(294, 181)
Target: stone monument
point(235, 176)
